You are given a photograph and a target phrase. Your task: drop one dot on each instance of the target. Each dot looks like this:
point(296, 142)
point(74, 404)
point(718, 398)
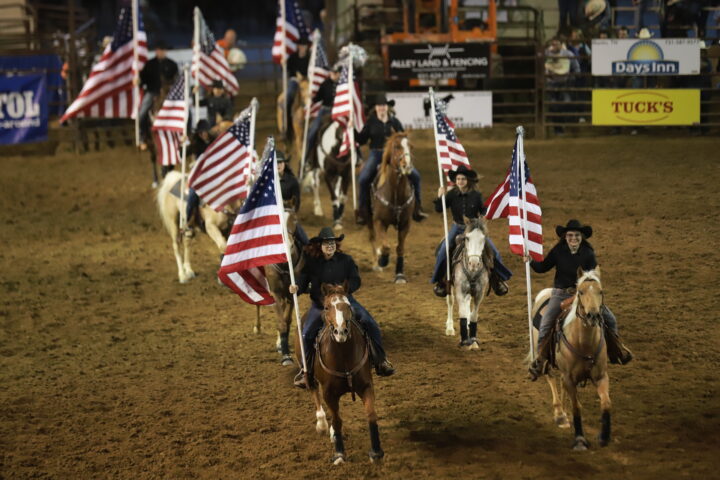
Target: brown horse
point(393, 202)
point(278, 277)
point(342, 365)
point(294, 130)
point(581, 355)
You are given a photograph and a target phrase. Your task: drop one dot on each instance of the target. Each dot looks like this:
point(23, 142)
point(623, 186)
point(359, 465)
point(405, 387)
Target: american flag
point(108, 92)
point(221, 173)
point(209, 63)
point(320, 70)
point(256, 240)
point(169, 124)
point(452, 154)
point(344, 94)
point(295, 29)
point(506, 200)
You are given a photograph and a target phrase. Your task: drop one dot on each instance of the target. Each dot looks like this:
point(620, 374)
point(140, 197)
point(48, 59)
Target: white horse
point(471, 263)
point(169, 207)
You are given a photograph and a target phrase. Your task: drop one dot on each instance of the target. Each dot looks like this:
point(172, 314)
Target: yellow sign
point(645, 107)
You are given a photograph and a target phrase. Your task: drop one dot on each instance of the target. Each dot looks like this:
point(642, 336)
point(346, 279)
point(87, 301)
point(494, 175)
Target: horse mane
point(387, 156)
point(478, 223)
point(590, 275)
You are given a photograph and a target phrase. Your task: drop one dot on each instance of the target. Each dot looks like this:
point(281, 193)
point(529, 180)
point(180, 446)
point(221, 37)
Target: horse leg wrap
point(473, 329)
point(400, 265)
point(605, 430)
point(577, 423)
point(338, 441)
point(463, 329)
point(284, 345)
point(341, 210)
point(336, 212)
point(384, 259)
point(375, 439)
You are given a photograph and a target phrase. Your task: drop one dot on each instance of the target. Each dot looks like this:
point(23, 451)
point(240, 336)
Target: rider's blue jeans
point(368, 173)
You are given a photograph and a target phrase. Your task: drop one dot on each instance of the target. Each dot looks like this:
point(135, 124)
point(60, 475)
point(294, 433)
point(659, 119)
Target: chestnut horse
point(581, 355)
point(294, 130)
point(393, 202)
point(342, 365)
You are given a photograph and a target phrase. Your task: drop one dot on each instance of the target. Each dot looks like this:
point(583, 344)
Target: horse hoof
point(286, 361)
point(190, 274)
point(321, 426)
point(400, 278)
point(562, 422)
point(580, 444)
point(377, 268)
point(318, 212)
point(338, 458)
point(338, 227)
point(376, 457)
point(256, 330)
point(384, 260)
point(450, 332)
point(603, 442)
point(473, 345)
point(154, 184)
point(183, 280)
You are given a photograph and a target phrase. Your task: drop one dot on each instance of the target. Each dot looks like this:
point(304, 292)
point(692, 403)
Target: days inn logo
point(645, 58)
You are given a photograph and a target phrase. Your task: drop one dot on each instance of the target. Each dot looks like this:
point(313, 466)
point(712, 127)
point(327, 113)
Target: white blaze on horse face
point(341, 330)
point(474, 244)
point(406, 163)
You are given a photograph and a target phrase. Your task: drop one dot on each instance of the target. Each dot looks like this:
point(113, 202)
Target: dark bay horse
point(581, 355)
point(342, 365)
point(393, 202)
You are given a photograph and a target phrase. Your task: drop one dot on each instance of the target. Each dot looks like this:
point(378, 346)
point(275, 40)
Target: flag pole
point(288, 255)
point(351, 132)
point(523, 219)
point(136, 66)
point(254, 104)
point(448, 298)
point(308, 101)
point(183, 157)
point(196, 63)
point(283, 58)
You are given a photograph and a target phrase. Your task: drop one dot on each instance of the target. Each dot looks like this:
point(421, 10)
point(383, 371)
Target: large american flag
point(169, 124)
point(452, 154)
point(256, 240)
point(320, 70)
point(506, 201)
point(221, 173)
point(108, 91)
point(347, 92)
point(295, 29)
point(209, 62)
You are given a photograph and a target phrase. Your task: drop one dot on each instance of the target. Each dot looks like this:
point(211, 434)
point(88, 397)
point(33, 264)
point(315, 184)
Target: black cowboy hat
point(161, 45)
point(471, 175)
point(381, 99)
point(202, 126)
point(280, 157)
point(574, 226)
point(327, 234)
point(303, 41)
point(218, 84)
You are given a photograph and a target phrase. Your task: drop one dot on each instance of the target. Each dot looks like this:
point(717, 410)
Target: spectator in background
point(228, 41)
point(560, 63)
point(623, 32)
point(158, 72)
point(678, 19)
point(597, 15)
point(297, 69)
point(642, 9)
point(568, 15)
point(313, 13)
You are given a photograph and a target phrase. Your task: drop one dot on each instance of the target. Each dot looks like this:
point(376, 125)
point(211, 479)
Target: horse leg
point(559, 414)
point(178, 257)
point(465, 312)
point(450, 300)
point(400, 252)
point(317, 206)
point(580, 442)
point(603, 389)
point(333, 403)
point(186, 258)
point(153, 164)
point(337, 201)
point(216, 235)
point(383, 253)
point(284, 332)
point(321, 425)
point(256, 328)
point(376, 452)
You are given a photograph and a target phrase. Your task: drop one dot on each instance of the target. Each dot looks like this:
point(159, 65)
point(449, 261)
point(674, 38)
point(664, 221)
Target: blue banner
point(23, 109)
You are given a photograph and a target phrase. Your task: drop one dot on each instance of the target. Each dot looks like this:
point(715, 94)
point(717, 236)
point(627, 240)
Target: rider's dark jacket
point(377, 131)
point(566, 263)
point(290, 188)
point(326, 93)
point(340, 268)
point(469, 204)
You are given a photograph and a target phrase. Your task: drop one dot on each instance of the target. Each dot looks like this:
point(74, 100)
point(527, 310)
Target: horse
point(342, 365)
point(470, 269)
point(278, 278)
point(580, 355)
point(150, 144)
point(393, 202)
point(294, 129)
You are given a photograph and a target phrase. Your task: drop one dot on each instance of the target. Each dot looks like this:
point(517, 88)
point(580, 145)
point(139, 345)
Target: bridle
point(394, 205)
point(472, 277)
point(588, 321)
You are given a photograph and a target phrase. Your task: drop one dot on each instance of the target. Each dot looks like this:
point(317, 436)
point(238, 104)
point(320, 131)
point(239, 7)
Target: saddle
point(551, 341)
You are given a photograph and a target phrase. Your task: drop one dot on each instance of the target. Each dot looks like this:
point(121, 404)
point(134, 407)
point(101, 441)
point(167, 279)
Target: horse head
point(290, 219)
point(398, 153)
point(338, 311)
point(474, 238)
point(589, 297)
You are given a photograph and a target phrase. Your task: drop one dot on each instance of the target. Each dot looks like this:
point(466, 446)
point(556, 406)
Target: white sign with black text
point(651, 56)
point(467, 109)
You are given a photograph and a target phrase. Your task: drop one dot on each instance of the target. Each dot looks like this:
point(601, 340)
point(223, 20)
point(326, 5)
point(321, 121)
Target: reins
point(395, 206)
point(347, 375)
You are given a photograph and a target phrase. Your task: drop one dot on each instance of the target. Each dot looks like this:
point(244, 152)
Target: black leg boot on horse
point(463, 332)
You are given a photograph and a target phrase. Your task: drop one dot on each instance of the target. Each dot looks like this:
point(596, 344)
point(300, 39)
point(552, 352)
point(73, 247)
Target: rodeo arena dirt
point(117, 361)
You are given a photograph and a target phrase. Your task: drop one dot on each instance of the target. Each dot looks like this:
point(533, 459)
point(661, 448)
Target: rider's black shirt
point(290, 188)
point(326, 93)
point(156, 72)
point(340, 268)
point(297, 64)
point(377, 131)
point(566, 263)
point(469, 204)
point(221, 105)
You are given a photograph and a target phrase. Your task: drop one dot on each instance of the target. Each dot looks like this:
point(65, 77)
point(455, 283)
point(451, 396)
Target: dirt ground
point(109, 368)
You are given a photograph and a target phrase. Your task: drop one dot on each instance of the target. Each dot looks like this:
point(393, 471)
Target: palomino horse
point(297, 115)
point(217, 224)
point(470, 265)
point(581, 355)
point(278, 277)
point(151, 147)
point(342, 365)
point(393, 203)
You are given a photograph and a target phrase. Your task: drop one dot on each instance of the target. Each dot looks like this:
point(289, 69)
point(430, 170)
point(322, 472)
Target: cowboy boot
point(361, 217)
point(440, 288)
point(618, 353)
point(301, 379)
point(541, 365)
point(383, 367)
point(418, 213)
point(498, 286)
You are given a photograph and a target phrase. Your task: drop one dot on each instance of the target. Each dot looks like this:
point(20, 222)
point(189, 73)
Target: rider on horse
point(327, 264)
point(219, 107)
point(464, 201)
point(325, 95)
point(377, 129)
point(297, 69)
point(290, 189)
point(572, 251)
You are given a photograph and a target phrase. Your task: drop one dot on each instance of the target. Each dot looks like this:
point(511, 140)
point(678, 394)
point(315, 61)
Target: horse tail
point(541, 300)
point(164, 203)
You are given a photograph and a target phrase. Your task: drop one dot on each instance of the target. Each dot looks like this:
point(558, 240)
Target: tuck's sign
point(645, 107)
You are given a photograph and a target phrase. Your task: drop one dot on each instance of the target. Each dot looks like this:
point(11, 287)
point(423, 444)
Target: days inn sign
point(662, 56)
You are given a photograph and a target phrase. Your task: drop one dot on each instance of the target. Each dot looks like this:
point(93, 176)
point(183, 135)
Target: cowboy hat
point(218, 84)
point(202, 126)
point(327, 234)
point(471, 175)
point(594, 8)
point(381, 99)
point(644, 33)
point(280, 157)
point(574, 226)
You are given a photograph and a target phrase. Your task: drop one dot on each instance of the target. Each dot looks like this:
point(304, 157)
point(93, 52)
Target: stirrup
point(538, 368)
point(440, 290)
point(384, 368)
point(419, 215)
point(299, 380)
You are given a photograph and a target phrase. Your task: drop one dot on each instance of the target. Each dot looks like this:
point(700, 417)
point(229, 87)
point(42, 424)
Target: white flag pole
point(523, 219)
point(288, 255)
point(351, 131)
point(136, 73)
point(196, 63)
point(283, 58)
point(449, 327)
point(183, 157)
point(254, 104)
point(308, 101)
